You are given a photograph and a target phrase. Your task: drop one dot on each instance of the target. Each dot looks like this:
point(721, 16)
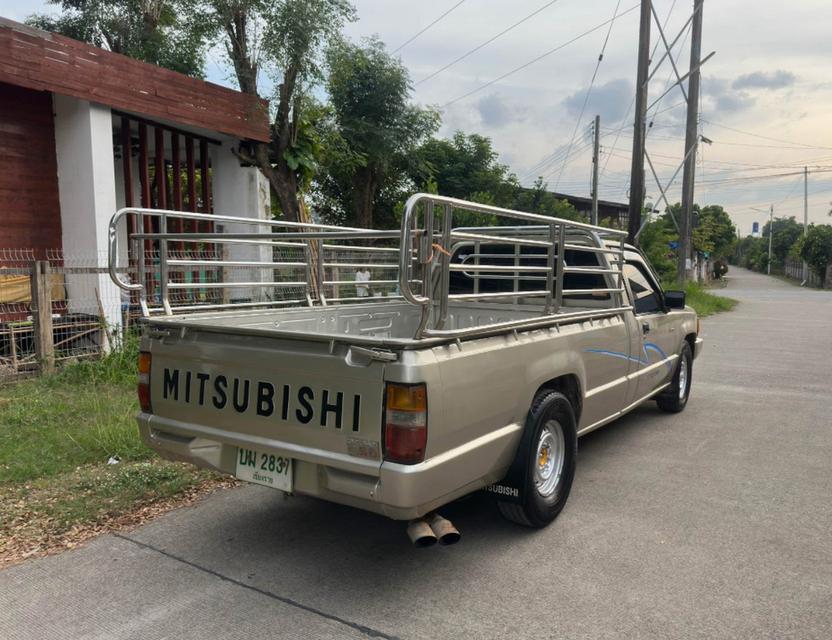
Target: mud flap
point(513, 487)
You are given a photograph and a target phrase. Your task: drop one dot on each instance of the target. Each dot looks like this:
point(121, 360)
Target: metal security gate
point(174, 173)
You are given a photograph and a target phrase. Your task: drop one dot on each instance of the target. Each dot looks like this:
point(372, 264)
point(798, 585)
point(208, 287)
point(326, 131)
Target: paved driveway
point(716, 523)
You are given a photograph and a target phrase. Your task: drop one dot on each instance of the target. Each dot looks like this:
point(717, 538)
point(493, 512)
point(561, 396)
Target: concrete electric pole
point(770, 236)
point(805, 219)
point(595, 153)
point(691, 141)
point(640, 128)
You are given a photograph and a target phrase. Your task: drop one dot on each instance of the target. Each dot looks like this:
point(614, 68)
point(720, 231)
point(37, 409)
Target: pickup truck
point(471, 358)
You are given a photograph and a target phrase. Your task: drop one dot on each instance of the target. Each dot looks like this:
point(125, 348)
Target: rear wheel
point(675, 397)
point(548, 448)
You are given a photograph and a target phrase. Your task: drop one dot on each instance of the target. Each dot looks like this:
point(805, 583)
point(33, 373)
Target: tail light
point(405, 422)
point(144, 381)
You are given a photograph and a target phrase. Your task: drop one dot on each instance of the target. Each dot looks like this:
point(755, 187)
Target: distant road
point(716, 523)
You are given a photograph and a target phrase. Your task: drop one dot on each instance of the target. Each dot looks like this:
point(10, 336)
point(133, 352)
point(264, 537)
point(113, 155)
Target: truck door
point(658, 341)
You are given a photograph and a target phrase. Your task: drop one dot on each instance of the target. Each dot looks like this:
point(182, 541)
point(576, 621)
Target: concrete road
point(716, 523)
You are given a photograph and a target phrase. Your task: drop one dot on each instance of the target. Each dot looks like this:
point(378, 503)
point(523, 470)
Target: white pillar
point(87, 192)
point(243, 192)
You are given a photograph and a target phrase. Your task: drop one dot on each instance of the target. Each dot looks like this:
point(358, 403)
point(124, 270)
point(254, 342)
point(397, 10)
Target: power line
point(538, 58)
point(412, 38)
point(754, 178)
point(589, 89)
point(633, 101)
point(762, 137)
point(487, 42)
point(550, 160)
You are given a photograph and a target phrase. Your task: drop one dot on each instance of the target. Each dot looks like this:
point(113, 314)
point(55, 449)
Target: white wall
point(87, 191)
point(244, 192)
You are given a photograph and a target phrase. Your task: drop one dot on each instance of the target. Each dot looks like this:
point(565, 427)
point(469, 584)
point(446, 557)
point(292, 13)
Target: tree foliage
point(816, 249)
point(786, 232)
point(655, 241)
point(286, 40)
point(467, 167)
point(162, 32)
point(374, 132)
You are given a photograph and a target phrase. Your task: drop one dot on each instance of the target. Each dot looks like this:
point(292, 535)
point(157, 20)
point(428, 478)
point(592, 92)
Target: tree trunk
point(364, 192)
point(267, 157)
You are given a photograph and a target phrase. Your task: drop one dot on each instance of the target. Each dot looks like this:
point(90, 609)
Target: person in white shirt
point(362, 275)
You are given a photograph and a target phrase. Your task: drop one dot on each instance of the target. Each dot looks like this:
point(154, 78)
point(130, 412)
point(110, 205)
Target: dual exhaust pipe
point(432, 528)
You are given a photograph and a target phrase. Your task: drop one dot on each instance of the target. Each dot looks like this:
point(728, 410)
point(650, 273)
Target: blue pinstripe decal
point(648, 346)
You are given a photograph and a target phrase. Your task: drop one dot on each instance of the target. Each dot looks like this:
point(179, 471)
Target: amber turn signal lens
point(406, 397)
point(143, 387)
point(405, 423)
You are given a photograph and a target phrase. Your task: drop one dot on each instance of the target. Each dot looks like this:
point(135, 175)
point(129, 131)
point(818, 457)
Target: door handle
point(645, 328)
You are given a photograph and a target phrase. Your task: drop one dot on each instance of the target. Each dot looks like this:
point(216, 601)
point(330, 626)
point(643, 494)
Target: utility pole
point(691, 141)
point(805, 219)
point(640, 128)
point(595, 152)
point(770, 236)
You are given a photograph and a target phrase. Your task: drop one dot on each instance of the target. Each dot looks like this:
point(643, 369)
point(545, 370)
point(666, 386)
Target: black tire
point(550, 411)
point(674, 399)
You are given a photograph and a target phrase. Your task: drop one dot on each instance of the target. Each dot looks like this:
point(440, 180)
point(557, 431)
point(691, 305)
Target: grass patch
point(56, 435)
point(705, 303)
point(82, 415)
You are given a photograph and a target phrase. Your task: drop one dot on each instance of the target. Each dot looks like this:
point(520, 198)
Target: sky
point(764, 103)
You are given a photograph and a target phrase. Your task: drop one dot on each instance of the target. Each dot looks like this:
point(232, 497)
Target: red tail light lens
point(144, 382)
point(405, 422)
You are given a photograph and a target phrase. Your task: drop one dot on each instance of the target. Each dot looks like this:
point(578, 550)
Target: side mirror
point(674, 299)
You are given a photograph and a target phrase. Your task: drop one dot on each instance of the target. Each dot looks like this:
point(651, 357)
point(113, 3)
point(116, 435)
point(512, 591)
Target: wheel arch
point(691, 340)
point(569, 384)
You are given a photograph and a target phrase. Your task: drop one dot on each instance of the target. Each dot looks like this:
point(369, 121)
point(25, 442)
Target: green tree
point(752, 253)
point(816, 249)
point(284, 39)
point(467, 167)
point(463, 166)
point(377, 126)
point(162, 32)
point(715, 233)
point(655, 241)
point(786, 232)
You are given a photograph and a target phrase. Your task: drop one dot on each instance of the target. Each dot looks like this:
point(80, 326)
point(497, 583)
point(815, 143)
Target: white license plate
point(263, 468)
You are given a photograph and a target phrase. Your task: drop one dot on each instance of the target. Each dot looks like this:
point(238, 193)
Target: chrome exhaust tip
point(443, 529)
point(420, 533)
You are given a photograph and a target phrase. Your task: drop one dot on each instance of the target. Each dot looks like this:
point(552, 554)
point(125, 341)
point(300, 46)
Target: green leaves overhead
point(162, 32)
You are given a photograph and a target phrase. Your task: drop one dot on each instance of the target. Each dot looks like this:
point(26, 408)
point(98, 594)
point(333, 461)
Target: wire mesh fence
point(55, 307)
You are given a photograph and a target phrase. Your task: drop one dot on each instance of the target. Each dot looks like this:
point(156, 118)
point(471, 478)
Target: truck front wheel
point(547, 451)
point(675, 397)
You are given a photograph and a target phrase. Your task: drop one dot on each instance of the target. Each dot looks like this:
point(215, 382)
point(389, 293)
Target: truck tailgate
point(307, 400)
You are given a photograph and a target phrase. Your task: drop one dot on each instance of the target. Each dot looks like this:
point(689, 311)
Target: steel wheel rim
point(683, 378)
point(549, 458)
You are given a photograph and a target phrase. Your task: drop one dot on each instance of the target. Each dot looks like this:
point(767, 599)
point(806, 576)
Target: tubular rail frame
point(423, 258)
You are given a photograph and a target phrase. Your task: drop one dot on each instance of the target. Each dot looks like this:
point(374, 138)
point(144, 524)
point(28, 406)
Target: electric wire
point(412, 38)
point(762, 137)
point(537, 59)
point(487, 42)
point(589, 89)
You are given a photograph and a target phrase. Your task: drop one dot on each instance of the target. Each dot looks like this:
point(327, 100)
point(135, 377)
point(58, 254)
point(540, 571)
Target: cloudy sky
point(765, 100)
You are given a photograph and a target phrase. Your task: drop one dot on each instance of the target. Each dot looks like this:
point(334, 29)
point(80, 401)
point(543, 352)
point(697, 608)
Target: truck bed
point(384, 323)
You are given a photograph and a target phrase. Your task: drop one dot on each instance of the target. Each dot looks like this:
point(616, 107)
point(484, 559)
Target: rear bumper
point(697, 347)
point(398, 491)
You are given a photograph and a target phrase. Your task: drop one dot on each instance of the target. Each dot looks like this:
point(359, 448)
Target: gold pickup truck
point(469, 358)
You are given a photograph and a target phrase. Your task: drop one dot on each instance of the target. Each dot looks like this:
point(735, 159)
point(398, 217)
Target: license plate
point(263, 468)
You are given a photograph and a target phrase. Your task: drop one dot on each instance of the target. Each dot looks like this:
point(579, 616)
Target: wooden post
point(42, 315)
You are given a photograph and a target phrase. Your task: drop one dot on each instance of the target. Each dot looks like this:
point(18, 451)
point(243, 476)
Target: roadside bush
point(816, 249)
